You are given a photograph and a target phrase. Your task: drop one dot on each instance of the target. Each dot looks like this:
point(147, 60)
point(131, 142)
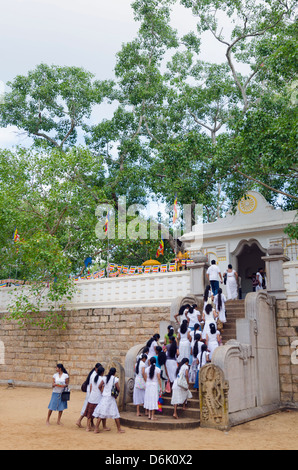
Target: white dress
point(194, 365)
point(184, 345)
point(193, 318)
point(171, 364)
point(222, 311)
point(209, 318)
point(212, 343)
point(232, 287)
point(179, 394)
point(151, 351)
point(138, 393)
point(87, 394)
point(107, 407)
point(95, 394)
point(151, 392)
point(202, 359)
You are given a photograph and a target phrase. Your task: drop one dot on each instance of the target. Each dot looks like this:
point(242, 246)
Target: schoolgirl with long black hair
point(180, 395)
point(86, 388)
point(153, 388)
point(59, 382)
point(139, 384)
point(95, 395)
point(171, 363)
point(107, 407)
point(151, 344)
point(184, 339)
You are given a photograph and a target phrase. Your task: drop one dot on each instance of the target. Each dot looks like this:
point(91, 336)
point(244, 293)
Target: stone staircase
point(190, 418)
point(234, 309)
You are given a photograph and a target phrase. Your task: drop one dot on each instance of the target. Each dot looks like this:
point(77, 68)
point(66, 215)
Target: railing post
point(274, 271)
point(198, 279)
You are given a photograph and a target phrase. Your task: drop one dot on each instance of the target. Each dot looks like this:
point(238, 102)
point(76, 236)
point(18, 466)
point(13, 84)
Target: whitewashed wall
point(131, 291)
point(290, 270)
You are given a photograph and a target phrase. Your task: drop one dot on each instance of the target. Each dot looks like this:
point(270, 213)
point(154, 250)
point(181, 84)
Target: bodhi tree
point(52, 103)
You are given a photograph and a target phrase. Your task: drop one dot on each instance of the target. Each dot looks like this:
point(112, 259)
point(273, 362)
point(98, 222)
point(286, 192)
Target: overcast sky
point(84, 33)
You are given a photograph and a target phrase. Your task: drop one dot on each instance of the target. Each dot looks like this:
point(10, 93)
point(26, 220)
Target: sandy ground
point(23, 414)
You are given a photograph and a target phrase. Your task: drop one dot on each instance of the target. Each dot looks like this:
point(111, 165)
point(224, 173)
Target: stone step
point(129, 419)
point(167, 410)
point(193, 403)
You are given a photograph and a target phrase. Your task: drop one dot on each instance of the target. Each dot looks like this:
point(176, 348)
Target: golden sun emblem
point(247, 205)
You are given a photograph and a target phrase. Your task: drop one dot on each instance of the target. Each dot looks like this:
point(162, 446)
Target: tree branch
point(266, 185)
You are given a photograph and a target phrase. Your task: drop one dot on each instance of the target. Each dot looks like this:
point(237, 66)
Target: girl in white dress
point(181, 395)
point(140, 384)
point(195, 350)
point(232, 284)
point(193, 317)
point(107, 407)
point(208, 296)
point(153, 385)
point(88, 380)
point(209, 316)
point(171, 362)
point(184, 339)
point(203, 358)
point(95, 396)
point(151, 344)
point(182, 314)
point(212, 339)
point(220, 305)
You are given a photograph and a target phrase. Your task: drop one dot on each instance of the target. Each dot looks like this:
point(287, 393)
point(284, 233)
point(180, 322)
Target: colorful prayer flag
point(16, 236)
point(155, 269)
point(161, 248)
point(175, 214)
point(106, 227)
point(163, 268)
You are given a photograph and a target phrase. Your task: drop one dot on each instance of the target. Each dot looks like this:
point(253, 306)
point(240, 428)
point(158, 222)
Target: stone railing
point(290, 271)
point(147, 290)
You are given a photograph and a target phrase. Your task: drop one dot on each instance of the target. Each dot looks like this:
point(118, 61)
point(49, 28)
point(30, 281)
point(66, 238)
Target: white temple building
point(242, 238)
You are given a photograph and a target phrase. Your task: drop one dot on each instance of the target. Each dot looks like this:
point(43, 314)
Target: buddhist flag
point(175, 214)
point(161, 248)
point(16, 236)
point(106, 227)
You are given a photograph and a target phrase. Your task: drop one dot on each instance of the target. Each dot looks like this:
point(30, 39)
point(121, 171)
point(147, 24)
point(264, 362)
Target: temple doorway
point(249, 260)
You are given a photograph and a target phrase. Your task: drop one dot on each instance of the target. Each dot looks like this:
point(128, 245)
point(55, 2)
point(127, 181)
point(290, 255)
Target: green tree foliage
point(51, 103)
point(43, 263)
point(205, 131)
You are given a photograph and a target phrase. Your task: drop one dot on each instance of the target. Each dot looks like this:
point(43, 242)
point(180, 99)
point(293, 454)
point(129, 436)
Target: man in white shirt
point(261, 277)
point(213, 275)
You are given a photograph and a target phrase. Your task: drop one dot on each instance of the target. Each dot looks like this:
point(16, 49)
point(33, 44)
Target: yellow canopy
point(151, 262)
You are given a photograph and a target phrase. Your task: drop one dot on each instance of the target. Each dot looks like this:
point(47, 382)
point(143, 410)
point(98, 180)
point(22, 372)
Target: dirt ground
point(23, 414)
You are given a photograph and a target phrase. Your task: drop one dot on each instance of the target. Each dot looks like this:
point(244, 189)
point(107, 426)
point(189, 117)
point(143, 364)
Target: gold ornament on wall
point(248, 204)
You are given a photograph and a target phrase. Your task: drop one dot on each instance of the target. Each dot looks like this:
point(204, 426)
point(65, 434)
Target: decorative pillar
point(214, 403)
point(198, 279)
point(274, 271)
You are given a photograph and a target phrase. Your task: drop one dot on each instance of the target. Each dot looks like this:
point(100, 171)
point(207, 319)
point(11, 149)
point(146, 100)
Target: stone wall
point(287, 338)
point(29, 356)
